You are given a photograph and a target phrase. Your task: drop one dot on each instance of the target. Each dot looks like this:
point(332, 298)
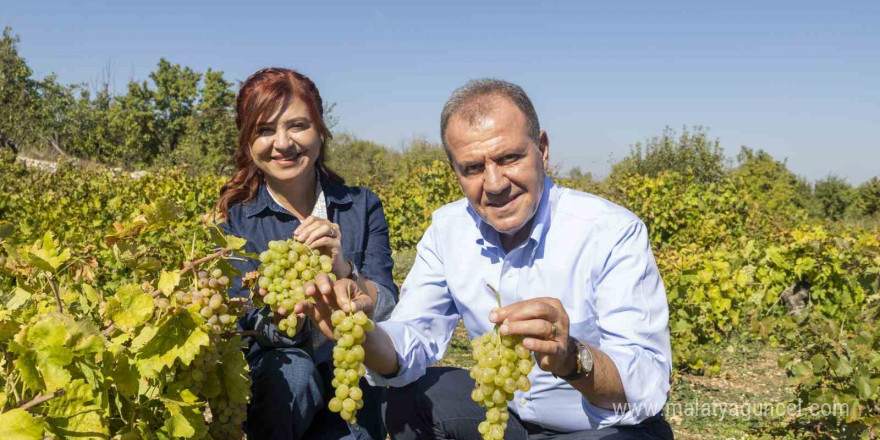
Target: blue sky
point(799, 79)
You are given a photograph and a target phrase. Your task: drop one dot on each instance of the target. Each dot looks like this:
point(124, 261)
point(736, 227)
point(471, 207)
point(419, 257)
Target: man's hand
point(344, 294)
point(544, 323)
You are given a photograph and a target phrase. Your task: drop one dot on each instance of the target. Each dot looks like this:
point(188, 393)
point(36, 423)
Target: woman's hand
point(344, 294)
point(325, 236)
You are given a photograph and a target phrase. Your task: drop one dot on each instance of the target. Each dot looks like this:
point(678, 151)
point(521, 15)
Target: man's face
point(499, 167)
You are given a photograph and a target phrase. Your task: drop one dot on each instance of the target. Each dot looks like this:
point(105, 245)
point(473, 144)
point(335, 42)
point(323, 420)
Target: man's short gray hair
point(476, 98)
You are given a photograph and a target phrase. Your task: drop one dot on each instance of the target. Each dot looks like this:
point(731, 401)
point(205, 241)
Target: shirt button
point(509, 274)
point(522, 400)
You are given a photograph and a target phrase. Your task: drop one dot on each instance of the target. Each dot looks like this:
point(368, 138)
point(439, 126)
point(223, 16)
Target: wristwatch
point(583, 360)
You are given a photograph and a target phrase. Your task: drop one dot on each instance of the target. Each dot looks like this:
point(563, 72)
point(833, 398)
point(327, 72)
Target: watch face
point(586, 358)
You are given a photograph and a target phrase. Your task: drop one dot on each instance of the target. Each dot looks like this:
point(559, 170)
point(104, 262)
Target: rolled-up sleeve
point(633, 321)
point(422, 323)
point(377, 264)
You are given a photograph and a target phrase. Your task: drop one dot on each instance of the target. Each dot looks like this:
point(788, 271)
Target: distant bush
point(688, 153)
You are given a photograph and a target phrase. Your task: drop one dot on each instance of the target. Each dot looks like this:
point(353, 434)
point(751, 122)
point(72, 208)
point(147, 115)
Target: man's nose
point(494, 179)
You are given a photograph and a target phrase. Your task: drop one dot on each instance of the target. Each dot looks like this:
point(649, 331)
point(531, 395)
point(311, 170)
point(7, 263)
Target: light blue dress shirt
point(593, 255)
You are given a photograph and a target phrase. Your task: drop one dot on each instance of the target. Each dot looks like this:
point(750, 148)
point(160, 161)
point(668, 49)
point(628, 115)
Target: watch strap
point(579, 371)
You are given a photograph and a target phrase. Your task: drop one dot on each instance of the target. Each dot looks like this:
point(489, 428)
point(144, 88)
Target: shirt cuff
point(408, 370)
point(384, 303)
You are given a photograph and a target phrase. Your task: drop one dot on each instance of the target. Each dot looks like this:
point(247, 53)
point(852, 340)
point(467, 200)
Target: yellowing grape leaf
point(177, 338)
point(130, 307)
point(17, 424)
point(77, 413)
point(184, 422)
point(19, 298)
point(168, 281)
point(45, 255)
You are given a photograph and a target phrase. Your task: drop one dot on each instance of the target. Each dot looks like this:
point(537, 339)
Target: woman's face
point(287, 145)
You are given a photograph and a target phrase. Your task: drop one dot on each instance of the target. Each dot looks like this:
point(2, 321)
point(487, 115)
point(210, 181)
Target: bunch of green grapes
point(207, 298)
point(348, 362)
point(227, 419)
point(284, 268)
point(503, 367)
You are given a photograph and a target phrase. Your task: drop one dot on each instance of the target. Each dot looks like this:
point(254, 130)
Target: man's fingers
point(537, 328)
point(324, 283)
point(344, 290)
point(525, 310)
point(551, 348)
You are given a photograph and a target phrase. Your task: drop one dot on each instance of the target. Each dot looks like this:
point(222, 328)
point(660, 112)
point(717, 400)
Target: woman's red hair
point(260, 97)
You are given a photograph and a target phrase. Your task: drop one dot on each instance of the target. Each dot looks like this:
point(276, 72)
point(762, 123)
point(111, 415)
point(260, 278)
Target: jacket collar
point(334, 193)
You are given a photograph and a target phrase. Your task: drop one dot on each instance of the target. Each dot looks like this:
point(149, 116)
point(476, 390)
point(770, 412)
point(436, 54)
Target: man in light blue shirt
point(576, 276)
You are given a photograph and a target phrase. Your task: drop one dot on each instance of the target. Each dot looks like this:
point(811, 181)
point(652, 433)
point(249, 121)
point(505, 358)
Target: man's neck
point(510, 241)
point(298, 195)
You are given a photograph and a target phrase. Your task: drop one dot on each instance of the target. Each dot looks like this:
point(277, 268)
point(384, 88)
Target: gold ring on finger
point(552, 330)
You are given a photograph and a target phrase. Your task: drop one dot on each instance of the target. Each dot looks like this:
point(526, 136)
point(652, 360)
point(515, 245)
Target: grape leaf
point(168, 281)
point(19, 298)
point(130, 307)
point(185, 422)
point(176, 338)
point(234, 372)
point(77, 413)
point(47, 257)
point(17, 424)
point(863, 384)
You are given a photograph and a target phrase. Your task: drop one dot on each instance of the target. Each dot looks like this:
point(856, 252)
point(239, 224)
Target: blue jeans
point(289, 395)
point(439, 406)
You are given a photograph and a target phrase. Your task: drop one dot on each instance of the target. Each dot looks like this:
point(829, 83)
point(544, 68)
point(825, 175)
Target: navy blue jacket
point(357, 211)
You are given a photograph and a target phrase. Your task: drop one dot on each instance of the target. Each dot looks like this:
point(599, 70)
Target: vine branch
point(57, 296)
point(191, 265)
point(40, 398)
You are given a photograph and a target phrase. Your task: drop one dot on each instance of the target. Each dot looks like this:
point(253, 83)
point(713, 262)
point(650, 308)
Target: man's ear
point(544, 148)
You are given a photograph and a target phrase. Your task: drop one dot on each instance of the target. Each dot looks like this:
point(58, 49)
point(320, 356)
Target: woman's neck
point(297, 195)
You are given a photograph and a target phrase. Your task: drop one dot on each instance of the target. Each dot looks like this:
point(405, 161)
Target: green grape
point(285, 266)
point(348, 367)
point(503, 366)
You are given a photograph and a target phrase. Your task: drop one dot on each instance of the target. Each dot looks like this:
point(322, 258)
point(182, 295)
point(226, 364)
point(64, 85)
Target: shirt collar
point(334, 193)
point(541, 222)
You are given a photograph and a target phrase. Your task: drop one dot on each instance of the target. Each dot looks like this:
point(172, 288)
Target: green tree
point(869, 197)
point(133, 135)
point(174, 101)
point(690, 153)
point(835, 197)
point(18, 95)
point(210, 138)
point(360, 162)
point(56, 112)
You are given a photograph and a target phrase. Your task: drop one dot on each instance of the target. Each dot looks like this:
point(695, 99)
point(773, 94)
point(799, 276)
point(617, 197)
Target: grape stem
point(40, 398)
point(57, 296)
point(497, 298)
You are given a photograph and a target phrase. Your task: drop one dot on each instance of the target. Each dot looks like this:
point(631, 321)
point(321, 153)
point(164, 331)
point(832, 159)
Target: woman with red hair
point(283, 188)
